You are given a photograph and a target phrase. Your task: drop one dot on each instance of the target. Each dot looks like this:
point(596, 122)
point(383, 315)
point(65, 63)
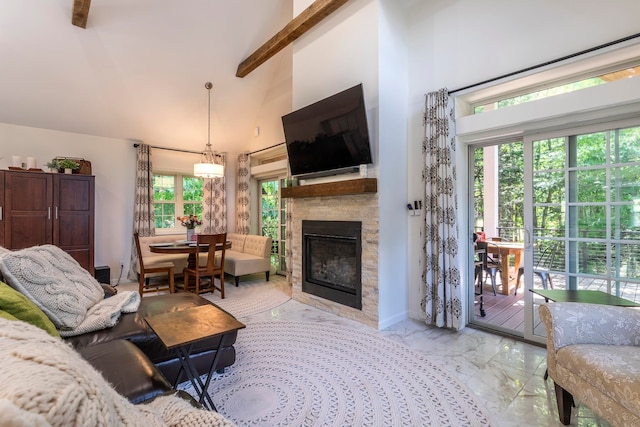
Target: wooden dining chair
point(214, 246)
point(152, 270)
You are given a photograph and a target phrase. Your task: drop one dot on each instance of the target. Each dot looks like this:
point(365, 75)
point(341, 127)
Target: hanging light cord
point(208, 85)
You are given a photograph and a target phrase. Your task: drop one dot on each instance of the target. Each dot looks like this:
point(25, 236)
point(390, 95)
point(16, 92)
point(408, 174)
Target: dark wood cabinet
point(28, 199)
point(43, 208)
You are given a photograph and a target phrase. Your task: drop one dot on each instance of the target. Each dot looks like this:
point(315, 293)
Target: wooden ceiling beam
point(80, 13)
point(302, 23)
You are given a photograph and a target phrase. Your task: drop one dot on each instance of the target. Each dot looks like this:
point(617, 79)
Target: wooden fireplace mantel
point(337, 188)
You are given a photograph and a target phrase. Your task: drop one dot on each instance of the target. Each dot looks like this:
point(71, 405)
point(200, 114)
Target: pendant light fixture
point(207, 168)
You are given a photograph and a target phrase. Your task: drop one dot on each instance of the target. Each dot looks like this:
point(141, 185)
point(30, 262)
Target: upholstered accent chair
point(593, 355)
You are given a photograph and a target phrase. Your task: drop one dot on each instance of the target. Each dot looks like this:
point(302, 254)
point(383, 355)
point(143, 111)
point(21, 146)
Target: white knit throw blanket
point(44, 382)
point(66, 292)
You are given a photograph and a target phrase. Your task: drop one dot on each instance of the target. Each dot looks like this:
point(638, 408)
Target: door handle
point(527, 237)
point(56, 213)
point(49, 212)
point(0, 213)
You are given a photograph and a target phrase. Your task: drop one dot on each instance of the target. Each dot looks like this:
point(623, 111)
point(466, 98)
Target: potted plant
point(68, 165)
point(53, 165)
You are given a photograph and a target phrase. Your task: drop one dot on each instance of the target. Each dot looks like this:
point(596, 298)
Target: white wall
point(363, 42)
point(454, 43)
point(112, 163)
point(275, 104)
point(392, 150)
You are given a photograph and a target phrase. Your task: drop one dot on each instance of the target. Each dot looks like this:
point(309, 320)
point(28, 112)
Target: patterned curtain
point(442, 291)
point(242, 200)
point(143, 216)
point(214, 205)
point(288, 254)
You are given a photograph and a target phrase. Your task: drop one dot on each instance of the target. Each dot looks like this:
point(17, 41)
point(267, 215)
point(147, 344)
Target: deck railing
point(624, 258)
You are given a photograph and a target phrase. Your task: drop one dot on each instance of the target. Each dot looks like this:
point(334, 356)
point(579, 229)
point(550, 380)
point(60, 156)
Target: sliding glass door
point(572, 201)
point(498, 217)
point(585, 205)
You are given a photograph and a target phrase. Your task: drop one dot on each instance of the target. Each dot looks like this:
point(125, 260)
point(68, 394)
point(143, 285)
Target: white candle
point(16, 161)
point(31, 163)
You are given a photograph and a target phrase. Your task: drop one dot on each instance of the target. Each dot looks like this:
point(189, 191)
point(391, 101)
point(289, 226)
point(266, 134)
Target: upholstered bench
point(248, 254)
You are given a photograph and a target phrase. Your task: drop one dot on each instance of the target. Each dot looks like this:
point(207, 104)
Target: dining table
point(505, 250)
point(187, 247)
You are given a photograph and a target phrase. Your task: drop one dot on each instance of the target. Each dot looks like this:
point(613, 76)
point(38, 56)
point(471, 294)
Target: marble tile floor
point(506, 374)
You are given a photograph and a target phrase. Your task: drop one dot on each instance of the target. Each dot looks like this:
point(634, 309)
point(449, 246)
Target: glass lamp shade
point(208, 170)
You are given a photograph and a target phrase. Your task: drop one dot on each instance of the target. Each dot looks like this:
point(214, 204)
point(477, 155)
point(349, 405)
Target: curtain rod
point(266, 148)
point(544, 64)
point(170, 149)
point(199, 152)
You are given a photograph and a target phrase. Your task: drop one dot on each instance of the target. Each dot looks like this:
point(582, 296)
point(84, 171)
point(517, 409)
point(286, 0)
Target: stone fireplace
point(360, 208)
point(331, 261)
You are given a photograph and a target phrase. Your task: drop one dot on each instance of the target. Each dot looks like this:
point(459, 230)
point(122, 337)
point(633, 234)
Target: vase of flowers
point(190, 222)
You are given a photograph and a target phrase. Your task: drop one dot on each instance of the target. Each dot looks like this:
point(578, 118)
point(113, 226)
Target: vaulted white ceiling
point(138, 70)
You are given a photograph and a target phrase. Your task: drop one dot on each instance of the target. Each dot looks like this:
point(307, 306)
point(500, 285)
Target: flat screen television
point(330, 135)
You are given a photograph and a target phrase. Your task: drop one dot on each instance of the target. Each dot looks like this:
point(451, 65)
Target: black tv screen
point(329, 134)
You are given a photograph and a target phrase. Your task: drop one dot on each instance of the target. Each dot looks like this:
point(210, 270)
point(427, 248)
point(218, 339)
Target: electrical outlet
point(121, 264)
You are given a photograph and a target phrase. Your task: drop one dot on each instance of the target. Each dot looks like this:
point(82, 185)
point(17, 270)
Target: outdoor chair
point(490, 264)
point(542, 267)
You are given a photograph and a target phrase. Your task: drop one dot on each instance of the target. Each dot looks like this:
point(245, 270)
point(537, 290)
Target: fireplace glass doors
point(331, 261)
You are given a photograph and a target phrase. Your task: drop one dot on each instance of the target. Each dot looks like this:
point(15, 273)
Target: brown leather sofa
point(132, 358)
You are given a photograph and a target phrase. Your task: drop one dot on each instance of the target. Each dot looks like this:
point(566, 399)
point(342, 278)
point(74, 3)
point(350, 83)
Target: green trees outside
point(590, 180)
point(192, 194)
point(511, 189)
point(588, 172)
point(269, 201)
point(544, 93)
point(164, 197)
point(164, 191)
point(270, 213)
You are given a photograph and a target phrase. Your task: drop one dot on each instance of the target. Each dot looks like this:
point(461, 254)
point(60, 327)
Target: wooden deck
point(507, 311)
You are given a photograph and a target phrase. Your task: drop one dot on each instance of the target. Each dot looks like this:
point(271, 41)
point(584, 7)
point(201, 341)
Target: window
point(175, 195)
point(554, 90)
point(595, 177)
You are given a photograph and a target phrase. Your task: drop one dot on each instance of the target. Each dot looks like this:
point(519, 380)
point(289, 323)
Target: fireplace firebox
point(332, 261)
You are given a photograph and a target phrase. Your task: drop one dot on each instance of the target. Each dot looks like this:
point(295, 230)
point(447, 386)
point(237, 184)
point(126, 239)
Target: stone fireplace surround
point(351, 207)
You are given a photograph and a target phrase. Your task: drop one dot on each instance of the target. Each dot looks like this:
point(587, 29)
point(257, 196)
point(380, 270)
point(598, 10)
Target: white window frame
point(179, 202)
point(615, 101)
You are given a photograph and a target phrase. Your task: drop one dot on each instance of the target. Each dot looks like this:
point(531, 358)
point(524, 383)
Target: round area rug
point(249, 298)
point(311, 374)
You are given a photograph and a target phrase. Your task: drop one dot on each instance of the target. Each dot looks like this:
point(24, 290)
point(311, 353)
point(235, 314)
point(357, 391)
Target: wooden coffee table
point(179, 330)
